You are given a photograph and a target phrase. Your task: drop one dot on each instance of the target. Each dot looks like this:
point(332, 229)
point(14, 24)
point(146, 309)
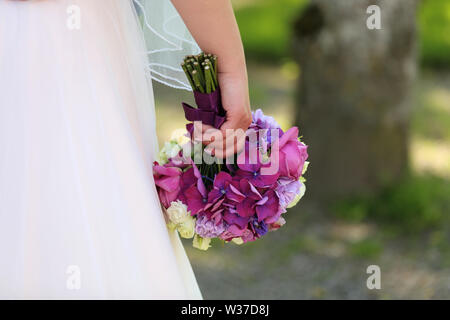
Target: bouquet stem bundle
point(201, 71)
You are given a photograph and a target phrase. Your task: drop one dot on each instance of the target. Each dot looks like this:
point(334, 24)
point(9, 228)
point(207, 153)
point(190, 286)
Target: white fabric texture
point(79, 213)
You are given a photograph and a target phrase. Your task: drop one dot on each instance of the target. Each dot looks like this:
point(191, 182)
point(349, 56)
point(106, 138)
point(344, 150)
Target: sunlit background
point(398, 219)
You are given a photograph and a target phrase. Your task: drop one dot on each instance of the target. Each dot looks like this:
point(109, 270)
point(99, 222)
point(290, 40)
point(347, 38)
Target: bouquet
point(237, 199)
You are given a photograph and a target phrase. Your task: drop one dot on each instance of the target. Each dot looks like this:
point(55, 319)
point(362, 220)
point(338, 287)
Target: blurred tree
point(353, 93)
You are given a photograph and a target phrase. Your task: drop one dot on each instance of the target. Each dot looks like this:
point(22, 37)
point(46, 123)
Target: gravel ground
point(313, 257)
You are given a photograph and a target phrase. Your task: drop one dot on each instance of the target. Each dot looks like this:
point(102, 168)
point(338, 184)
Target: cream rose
point(238, 241)
point(179, 137)
point(201, 243)
point(186, 228)
point(177, 212)
point(170, 150)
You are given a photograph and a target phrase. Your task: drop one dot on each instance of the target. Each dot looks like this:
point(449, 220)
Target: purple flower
point(246, 207)
point(277, 224)
point(251, 170)
point(248, 235)
point(196, 202)
point(287, 190)
point(260, 228)
point(193, 191)
point(167, 180)
point(232, 231)
point(292, 154)
point(223, 188)
point(207, 228)
point(262, 121)
point(268, 209)
point(232, 218)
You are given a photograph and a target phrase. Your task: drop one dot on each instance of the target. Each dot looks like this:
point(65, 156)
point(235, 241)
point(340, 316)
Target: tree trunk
point(353, 94)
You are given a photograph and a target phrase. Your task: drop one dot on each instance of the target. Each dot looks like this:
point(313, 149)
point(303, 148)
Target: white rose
point(186, 228)
point(170, 150)
point(177, 212)
point(179, 137)
point(201, 243)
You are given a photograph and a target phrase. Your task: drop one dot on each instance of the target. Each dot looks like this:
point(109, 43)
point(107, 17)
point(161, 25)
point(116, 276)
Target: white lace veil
point(168, 41)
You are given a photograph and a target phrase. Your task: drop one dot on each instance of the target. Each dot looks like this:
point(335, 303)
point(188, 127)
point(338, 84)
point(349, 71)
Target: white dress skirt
point(79, 214)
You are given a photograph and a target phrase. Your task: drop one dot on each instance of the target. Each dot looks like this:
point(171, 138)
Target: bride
point(79, 215)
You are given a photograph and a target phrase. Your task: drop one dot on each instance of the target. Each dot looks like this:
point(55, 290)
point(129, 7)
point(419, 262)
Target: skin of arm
point(213, 25)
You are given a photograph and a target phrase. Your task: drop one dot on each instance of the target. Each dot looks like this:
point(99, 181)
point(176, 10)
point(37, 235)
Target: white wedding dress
point(79, 214)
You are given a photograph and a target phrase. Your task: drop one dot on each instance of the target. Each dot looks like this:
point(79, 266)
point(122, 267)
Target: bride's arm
point(213, 25)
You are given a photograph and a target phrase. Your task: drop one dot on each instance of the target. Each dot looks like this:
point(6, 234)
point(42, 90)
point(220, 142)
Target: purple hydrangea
point(260, 228)
point(287, 189)
point(264, 122)
point(207, 228)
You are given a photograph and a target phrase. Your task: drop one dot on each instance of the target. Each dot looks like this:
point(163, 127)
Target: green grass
point(266, 27)
point(431, 117)
point(417, 203)
point(299, 243)
point(434, 27)
point(366, 249)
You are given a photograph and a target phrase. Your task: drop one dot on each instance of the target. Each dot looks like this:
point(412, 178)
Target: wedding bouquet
point(237, 199)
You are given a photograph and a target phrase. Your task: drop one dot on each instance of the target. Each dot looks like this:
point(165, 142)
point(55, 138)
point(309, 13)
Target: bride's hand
point(236, 102)
point(221, 37)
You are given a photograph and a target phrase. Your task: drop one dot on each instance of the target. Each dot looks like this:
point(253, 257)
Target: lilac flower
point(260, 228)
point(287, 190)
point(207, 228)
point(262, 121)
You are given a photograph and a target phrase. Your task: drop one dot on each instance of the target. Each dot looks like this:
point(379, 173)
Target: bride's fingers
point(207, 133)
point(213, 138)
point(224, 146)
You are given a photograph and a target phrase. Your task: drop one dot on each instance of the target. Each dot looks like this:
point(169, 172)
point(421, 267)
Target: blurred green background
point(323, 250)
